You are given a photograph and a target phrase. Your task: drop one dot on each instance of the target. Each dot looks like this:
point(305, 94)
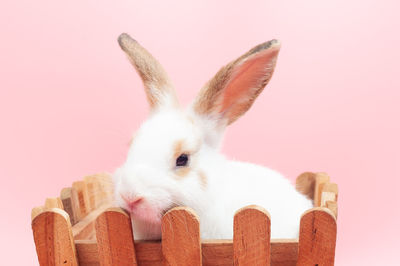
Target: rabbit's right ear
point(232, 91)
point(158, 87)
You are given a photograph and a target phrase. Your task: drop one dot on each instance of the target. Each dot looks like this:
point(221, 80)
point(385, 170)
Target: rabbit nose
point(132, 202)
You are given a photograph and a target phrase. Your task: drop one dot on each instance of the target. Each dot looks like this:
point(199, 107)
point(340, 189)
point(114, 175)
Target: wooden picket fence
point(81, 227)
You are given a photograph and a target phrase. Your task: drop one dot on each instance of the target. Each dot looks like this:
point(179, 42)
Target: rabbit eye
point(182, 160)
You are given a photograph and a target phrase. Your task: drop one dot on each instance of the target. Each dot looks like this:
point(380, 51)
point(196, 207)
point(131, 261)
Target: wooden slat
point(87, 252)
point(331, 187)
point(80, 199)
point(220, 252)
point(284, 252)
point(149, 253)
point(106, 188)
point(91, 185)
point(320, 180)
point(332, 205)
point(53, 238)
point(251, 237)
point(65, 197)
point(36, 211)
point(329, 193)
point(317, 238)
point(53, 203)
point(329, 197)
point(181, 237)
point(114, 238)
point(217, 252)
point(85, 229)
point(214, 252)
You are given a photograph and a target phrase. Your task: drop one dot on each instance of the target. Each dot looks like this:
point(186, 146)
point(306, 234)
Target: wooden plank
point(53, 203)
point(330, 189)
point(53, 238)
point(181, 237)
point(149, 253)
point(284, 252)
point(333, 206)
point(85, 229)
point(36, 211)
point(65, 197)
point(317, 238)
point(217, 252)
point(80, 199)
point(106, 188)
point(92, 190)
point(320, 180)
point(114, 238)
point(251, 236)
point(329, 197)
point(87, 252)
point(220, 252)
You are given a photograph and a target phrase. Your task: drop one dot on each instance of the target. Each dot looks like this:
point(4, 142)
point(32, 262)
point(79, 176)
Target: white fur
point(150, 171)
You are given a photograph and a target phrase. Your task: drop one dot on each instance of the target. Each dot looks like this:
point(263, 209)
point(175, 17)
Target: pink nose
point(132, 202)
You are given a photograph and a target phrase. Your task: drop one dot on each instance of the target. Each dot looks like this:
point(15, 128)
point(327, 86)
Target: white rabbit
point(174, 158)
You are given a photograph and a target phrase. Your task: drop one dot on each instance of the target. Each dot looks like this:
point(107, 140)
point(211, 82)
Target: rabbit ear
point(232, 91)
point(158, 87)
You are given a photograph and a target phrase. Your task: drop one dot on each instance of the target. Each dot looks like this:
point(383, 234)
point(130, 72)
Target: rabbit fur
point(209, 183)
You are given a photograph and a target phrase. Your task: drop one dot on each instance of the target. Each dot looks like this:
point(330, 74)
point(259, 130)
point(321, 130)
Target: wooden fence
point(81, 227)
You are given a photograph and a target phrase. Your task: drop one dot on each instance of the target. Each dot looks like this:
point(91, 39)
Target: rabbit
point(174, 157)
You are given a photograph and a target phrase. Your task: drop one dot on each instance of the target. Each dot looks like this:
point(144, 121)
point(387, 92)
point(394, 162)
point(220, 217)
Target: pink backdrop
point(69, 100)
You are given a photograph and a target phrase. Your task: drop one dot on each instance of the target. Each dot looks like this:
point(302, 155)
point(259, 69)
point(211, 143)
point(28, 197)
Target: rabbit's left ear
point(158, 87)
point(232, 91)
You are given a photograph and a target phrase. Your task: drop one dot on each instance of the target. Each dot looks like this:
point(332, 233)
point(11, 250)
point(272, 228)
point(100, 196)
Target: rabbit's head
point(166, 160)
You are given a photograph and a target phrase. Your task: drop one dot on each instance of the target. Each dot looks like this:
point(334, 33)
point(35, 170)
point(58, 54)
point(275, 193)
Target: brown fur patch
point(178, 148)
point(305, 184)
point(220, 95)
point(182, 171)
point(153, 75)
point(203, 179)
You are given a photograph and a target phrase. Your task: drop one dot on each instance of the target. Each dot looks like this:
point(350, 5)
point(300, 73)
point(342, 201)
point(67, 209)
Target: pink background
point(70, 100)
